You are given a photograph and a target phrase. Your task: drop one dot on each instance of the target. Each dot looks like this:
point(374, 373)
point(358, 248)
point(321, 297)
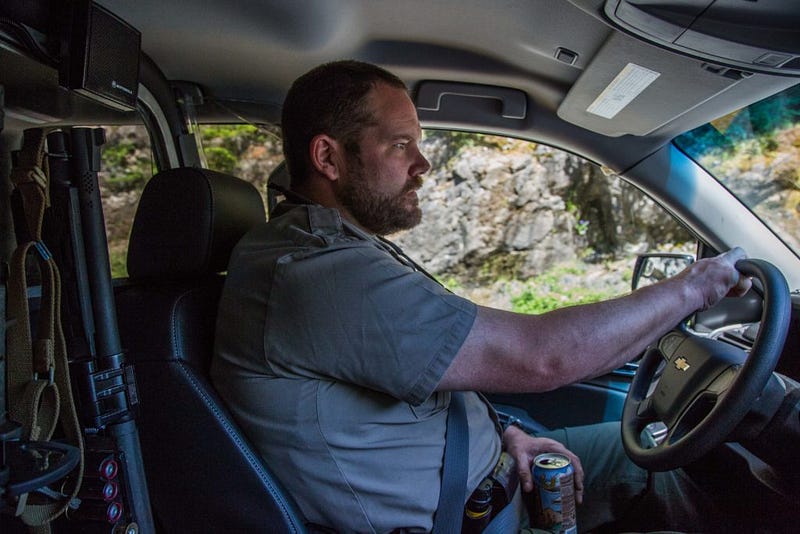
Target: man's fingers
point(579, 494)
point(743, 283)
point(525, 477)
point(578, 477)
point(735, 254)
point(535, 446)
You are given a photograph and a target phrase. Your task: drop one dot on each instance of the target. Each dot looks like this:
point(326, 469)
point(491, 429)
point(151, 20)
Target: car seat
point(278, 181)
point(203, 474)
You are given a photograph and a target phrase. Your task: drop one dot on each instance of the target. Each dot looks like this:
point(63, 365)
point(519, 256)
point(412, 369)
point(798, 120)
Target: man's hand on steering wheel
point(717, 277)
point(701, 388)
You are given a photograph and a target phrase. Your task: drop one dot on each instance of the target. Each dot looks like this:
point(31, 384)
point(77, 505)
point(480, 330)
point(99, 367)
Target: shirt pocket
point(433, 405)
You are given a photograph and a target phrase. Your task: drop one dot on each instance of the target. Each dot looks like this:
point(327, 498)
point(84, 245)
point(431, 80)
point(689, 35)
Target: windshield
point(755, 153)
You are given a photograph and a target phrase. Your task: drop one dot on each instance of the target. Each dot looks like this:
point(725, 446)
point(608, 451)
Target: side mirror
point(651, 268)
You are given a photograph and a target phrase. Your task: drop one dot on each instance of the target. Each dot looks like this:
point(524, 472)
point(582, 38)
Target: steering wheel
point(706, 386)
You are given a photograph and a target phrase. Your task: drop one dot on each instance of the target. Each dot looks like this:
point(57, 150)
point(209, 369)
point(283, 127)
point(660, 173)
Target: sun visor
point(761, 36)
point(631, 87)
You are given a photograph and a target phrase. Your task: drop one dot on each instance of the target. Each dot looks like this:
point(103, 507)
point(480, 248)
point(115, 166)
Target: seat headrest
point(188, 221)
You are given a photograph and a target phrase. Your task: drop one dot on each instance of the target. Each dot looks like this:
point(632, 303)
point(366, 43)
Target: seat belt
point(452, 495)
point(508, 520)
point(39, 388)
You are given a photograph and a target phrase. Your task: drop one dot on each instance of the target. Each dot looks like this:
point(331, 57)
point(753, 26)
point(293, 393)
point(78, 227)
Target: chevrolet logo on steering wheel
point(682, 364)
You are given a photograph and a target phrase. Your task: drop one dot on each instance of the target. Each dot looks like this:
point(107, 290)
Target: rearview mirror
point(652, 268)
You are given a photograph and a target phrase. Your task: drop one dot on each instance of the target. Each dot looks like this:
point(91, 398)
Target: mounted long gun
point(105, 386)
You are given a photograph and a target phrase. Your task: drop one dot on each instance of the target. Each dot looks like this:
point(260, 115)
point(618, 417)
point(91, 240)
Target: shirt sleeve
point(356, 314)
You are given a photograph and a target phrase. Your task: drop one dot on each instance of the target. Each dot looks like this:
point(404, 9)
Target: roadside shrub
point(556, 289)
point(126, 167)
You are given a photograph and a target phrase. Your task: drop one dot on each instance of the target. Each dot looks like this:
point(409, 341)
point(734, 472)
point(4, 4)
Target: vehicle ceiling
point(244, 54)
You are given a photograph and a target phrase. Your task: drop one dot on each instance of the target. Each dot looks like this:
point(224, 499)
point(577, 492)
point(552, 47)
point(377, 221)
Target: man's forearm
point(510, 352)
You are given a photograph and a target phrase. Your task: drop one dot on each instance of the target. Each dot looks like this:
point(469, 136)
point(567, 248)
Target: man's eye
point(401, 146)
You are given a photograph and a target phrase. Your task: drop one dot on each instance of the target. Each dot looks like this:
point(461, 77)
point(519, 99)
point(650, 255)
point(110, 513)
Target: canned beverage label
point(553, 477)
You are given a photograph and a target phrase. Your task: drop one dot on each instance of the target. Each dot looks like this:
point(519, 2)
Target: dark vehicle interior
point(144, 443)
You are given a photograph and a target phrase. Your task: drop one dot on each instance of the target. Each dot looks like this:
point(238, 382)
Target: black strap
point(450, 510)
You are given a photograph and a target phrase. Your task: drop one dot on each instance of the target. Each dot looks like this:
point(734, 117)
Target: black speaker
point(100, 56)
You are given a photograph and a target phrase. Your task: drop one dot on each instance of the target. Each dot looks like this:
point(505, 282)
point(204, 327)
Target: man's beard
point(380, 214)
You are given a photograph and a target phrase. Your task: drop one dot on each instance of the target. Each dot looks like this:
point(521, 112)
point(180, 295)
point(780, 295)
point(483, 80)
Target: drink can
point(554, 502)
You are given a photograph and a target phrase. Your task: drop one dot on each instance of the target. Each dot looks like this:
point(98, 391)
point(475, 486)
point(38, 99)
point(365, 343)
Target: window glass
point(244, 150)
point(126, 166)
point(755, 153)
point(506, 223)
point(525, 227)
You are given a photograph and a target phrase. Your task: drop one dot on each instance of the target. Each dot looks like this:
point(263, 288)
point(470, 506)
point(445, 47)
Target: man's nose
point(421, 165)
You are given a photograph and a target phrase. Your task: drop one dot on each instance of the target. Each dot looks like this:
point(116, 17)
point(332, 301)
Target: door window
point(524, 227)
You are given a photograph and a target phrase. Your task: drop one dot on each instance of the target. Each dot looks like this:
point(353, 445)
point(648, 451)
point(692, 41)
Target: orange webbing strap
point(30, 177)
point(38, 370)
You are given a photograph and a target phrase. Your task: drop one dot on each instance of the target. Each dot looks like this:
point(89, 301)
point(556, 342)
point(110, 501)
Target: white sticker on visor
point(628, 84)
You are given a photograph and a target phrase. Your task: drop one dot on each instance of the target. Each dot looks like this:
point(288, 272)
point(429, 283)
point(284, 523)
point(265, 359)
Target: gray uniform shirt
point(329, 346)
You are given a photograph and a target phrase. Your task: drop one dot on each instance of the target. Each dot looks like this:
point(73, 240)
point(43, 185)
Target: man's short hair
point(329, 99)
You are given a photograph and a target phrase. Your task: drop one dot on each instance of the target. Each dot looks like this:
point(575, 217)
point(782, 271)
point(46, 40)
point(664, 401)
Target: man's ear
point(326, 156)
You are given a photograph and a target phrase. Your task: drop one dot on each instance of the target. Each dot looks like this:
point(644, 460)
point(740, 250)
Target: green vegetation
point(118, 259)
point(452, 283)
point(223, 144)
point(226, 145)
point(221, 159)
point(752, 133)
point(501, 266)
point(551, 290)
point(127, 166)
point(234, 136)
point(755, 152)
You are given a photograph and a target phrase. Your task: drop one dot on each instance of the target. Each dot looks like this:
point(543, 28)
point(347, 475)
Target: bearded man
point(338, 354)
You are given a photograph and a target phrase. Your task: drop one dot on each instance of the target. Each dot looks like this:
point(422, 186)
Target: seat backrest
point(202, 473)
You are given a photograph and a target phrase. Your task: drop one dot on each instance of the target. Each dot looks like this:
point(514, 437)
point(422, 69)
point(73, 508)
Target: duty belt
point(503, 481)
